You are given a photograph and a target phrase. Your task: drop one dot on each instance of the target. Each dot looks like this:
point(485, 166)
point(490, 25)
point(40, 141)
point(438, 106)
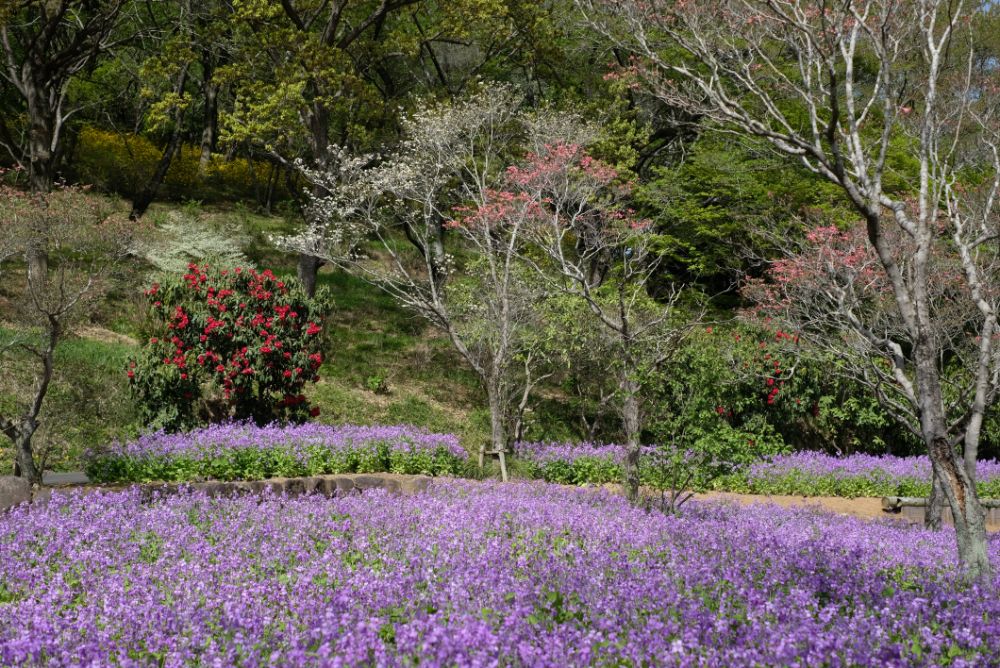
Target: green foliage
point(762, 387)
point(583, 470)
point(377, 383)
point(729, 194)
point(244, 344)
point(269, 462)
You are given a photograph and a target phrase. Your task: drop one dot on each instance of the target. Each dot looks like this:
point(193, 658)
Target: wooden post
point(500, 454)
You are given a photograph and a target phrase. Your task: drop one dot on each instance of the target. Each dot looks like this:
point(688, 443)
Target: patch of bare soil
point(864, 507)
point(97, 333)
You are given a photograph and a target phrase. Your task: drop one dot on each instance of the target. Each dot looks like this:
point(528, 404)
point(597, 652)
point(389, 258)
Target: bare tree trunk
point(631, 425)
point(40, 172)
point(967, 511)
point(319, 125)
point(957, 485)
point(146, 196)
point(40, 132)
point(38, 265)
point(935, 503)
point(210, 129)
point(498, 431)
point(498, 425)
point(22, 449)
point(148, 193)
point(272, 186)
point(307, 272)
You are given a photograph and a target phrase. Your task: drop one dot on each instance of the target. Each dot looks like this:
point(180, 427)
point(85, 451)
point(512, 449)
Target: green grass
point(87, 405)
point(371, 337)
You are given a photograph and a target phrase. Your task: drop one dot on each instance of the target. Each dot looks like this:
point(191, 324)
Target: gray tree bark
point(631, 424)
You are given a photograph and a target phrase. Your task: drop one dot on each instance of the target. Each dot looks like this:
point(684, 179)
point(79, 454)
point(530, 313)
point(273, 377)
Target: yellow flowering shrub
point(122, 163)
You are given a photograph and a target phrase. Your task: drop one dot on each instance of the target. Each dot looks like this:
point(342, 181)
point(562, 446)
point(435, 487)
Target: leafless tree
point(842, 87)
point(85, 240)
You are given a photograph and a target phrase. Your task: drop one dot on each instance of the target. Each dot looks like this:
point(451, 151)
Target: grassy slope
point(370, 338)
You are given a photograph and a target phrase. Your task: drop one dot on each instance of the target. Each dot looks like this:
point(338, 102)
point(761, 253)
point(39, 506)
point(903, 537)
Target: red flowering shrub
point(229, 344)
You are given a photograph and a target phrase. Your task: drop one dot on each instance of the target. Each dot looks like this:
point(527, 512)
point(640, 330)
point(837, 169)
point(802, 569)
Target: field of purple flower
point(242, 451)
point(478, 574)
point(799, 473)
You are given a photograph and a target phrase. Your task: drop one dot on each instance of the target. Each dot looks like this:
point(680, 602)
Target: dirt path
point(864, 507)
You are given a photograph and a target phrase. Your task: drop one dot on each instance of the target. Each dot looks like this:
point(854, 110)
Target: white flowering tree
point(890, 101)
point(416, 224)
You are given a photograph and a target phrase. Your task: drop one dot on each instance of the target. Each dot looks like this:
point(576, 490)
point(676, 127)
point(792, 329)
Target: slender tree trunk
point(25, 457)
point(40, 172)
point(146, 196)
point(631, 426)
point(498, 425)
point(319, 125)
point(210, 129)
point(38, 263)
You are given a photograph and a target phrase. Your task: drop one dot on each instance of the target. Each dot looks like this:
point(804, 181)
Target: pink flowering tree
point(585, 243)
point(833, 288)
point(890, 101)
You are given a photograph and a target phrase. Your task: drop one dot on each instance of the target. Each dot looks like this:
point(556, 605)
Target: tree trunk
point(38, 266)
point(498, 425)
point(631, 426)
point(40, 134)
point(966, 510)
point(146, 196)
point(307, 271)
point(40, 174)
point(956, 483)
point(210, 129)
point(935, 504)
point(25, 461)
point(319, 126)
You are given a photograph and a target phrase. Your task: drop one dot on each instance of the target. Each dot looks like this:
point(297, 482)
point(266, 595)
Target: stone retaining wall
point(328, 485)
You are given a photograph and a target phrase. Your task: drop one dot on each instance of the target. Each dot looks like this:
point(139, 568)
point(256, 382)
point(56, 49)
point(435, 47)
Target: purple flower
point(478, 574)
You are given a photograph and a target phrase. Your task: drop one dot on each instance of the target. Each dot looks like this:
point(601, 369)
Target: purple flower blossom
point(807, 473)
